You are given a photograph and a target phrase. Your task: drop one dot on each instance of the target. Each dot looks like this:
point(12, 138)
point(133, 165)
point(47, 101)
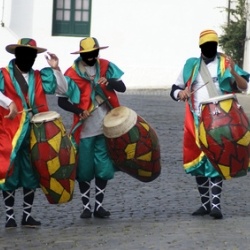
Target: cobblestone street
point(144, 216)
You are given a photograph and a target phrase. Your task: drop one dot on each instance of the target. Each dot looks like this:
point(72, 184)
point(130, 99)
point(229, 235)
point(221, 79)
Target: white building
point(149, 40)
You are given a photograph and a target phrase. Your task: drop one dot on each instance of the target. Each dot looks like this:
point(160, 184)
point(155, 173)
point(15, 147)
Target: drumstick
point(195, 90)
point(97, 106)
point(198, 88)
point(26, 110)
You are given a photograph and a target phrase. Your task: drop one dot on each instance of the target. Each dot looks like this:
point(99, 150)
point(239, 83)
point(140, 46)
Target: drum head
point(119, 121)
point(219, 98)
point(45, 117)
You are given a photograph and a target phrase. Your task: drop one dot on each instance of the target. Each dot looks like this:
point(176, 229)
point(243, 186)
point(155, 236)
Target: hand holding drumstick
point(85, 114)
point(185, 94)
point(13, 111)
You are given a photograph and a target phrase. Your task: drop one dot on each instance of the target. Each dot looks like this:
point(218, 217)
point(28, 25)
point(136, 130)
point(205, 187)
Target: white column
point(246, 59)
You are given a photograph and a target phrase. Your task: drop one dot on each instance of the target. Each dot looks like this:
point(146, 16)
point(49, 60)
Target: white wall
point(23, 10)
point(152, 39)
point(149, 40)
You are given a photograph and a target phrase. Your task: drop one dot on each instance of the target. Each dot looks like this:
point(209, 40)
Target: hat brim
point(11, 48)
point(89, 50)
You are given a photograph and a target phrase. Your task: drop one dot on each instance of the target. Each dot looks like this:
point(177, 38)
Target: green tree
point(232, 41)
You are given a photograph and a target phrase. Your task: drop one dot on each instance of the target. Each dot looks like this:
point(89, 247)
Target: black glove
point(65, 104)
point(174, 87)
point(117, 85)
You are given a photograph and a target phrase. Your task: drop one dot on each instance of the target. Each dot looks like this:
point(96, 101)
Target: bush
point(232, 41)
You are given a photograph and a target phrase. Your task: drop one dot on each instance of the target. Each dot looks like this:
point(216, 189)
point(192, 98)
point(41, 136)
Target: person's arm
point(116, 84)
point(65, 104)
point(178, 88)
point(113, 84)
point(174, 93)
point(13, 111)
point(53, 62)
point(113, 76)
point(62, 85)
point(240, 82)
point(7, 103)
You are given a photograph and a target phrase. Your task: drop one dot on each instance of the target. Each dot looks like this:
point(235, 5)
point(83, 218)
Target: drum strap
point(205, 74)
point(21, 81)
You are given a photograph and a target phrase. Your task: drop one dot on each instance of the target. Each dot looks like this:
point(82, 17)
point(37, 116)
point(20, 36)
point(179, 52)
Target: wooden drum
point(224, 134)
point(53, 157)
point(132, 144)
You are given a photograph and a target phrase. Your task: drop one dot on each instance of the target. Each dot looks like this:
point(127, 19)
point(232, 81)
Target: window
point(71, 18)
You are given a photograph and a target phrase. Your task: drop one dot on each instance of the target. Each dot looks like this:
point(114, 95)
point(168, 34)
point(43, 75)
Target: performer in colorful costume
point(227, 78)
point(97, 80)
point(22, 89)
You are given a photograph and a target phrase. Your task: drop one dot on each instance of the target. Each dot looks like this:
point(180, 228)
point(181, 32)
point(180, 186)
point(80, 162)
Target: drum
point(53, 157)
point(132, 144)
point(224, 135)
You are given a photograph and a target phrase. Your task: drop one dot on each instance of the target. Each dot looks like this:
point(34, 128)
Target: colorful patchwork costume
point(25, 88)
point(195, 161)
point(97, 80)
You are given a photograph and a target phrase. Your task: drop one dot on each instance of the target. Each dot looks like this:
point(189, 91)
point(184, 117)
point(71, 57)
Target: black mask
point(209, 49)
point(90, 58)
point(25, 58)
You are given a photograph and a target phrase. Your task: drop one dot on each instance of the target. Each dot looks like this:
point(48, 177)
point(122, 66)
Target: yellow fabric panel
point(55, 142)
point(225, 170)
point(145, 125)
point(56, 186)
point(144, 173)
point(226, 105)
point(65, 196)
point(53, 165)
point(202, 135)
point(245, 140)
point(130, 151)
point(146, 157)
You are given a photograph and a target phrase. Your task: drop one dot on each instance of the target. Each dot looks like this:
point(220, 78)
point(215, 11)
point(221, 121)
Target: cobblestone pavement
point(144, 216)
